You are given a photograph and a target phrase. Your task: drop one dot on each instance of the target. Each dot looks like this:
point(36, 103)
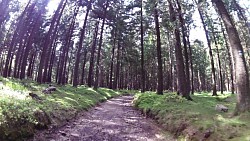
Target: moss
point(20, 115)
point(196, 117)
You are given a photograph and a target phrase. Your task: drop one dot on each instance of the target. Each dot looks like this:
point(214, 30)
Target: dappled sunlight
point(120, 102)
point(17, 106)
point(73, 100)
point(108, 94)
point(91, 89)
point(59, 101)
point(7, 92)
point(224, 120)
point(90, 102)
point(115, 103)
point(247, 138)
point(66, 93)
point(104, 122)
point(62, 102)
point(113, 121)
point(199, 113)
point(131, 120)
point(203, 95)
point(98, 108)
point(132, 117)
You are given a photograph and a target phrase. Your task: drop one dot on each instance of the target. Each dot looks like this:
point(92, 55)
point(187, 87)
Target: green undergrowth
point(21, 115)
point(197, 119)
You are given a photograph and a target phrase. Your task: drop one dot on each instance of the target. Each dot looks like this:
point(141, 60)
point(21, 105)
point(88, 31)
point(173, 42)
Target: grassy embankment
point(197, 119)
point(20, 115)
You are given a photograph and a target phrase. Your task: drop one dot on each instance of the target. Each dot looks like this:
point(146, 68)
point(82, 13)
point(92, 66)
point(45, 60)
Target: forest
point(181, 61)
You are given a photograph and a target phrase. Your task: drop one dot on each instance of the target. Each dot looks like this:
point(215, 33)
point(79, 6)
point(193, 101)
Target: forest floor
point(69, 113)
point(114, 120)
point(197, 119)
point(24, 108)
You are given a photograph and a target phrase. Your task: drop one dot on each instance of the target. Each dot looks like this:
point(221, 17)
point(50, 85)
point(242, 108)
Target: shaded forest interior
point(164, 46)
point(135, 45)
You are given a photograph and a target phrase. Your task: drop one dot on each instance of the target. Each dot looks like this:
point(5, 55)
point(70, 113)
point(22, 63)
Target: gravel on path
point(114, 120)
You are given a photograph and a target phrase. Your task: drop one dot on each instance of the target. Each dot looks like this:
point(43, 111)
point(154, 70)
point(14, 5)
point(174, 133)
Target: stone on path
point(114, 120)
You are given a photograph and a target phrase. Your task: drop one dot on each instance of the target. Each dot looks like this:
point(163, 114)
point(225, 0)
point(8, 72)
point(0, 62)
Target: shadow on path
point(114, 120)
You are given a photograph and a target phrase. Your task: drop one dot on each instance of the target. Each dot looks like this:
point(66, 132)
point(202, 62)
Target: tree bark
point(8, 62)
point(112, 63)
point(219, 62)
point(31, 64)
point(183, 30)
point(65, 49)
point(83, 65)
point(142, 54)
point(51, 62)
point(242, 76)
point(91, 62)
point(180, 67)
point(36, 25)
point(100, 47)
point(159, 55)
point(79, 48)
point(210, 51)
point(230, 59)
point(115, 84)
point(181, 78)
point(50, 45)
point(191, 66)
point(47, 45)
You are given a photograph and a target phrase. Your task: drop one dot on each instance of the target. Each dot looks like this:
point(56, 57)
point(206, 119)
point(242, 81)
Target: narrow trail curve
point(114, 120)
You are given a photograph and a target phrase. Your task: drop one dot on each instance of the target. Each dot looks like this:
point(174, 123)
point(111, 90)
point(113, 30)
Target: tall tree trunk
point(210, 51)
point(191, 65)
point(65, 49)
point(18, 57)
point(37, 24)
point(47, 44)
point(219, 62)
point(50, 45)
point(51, 62)
point(84, 64)
point(242, 76)
point(180, 68)
point(171, 59)
point(242, 16)
point(31, 64)
point(8, 62)
point(92, 56)
point(183, 31)
point(230, 59)
point(159, 56)
point(142, 54)
point(23, 38)
point(112, 63)
point(100, 47)
point(115, 84)
point(79, 48)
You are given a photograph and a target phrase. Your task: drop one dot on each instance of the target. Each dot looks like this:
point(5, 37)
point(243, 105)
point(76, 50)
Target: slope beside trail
point(114, 120)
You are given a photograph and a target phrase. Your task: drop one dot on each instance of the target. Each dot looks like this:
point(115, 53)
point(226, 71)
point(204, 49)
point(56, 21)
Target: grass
point(20, 115)
point(193, 119)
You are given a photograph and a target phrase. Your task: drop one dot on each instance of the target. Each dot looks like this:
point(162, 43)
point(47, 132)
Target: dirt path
point(114, 120)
